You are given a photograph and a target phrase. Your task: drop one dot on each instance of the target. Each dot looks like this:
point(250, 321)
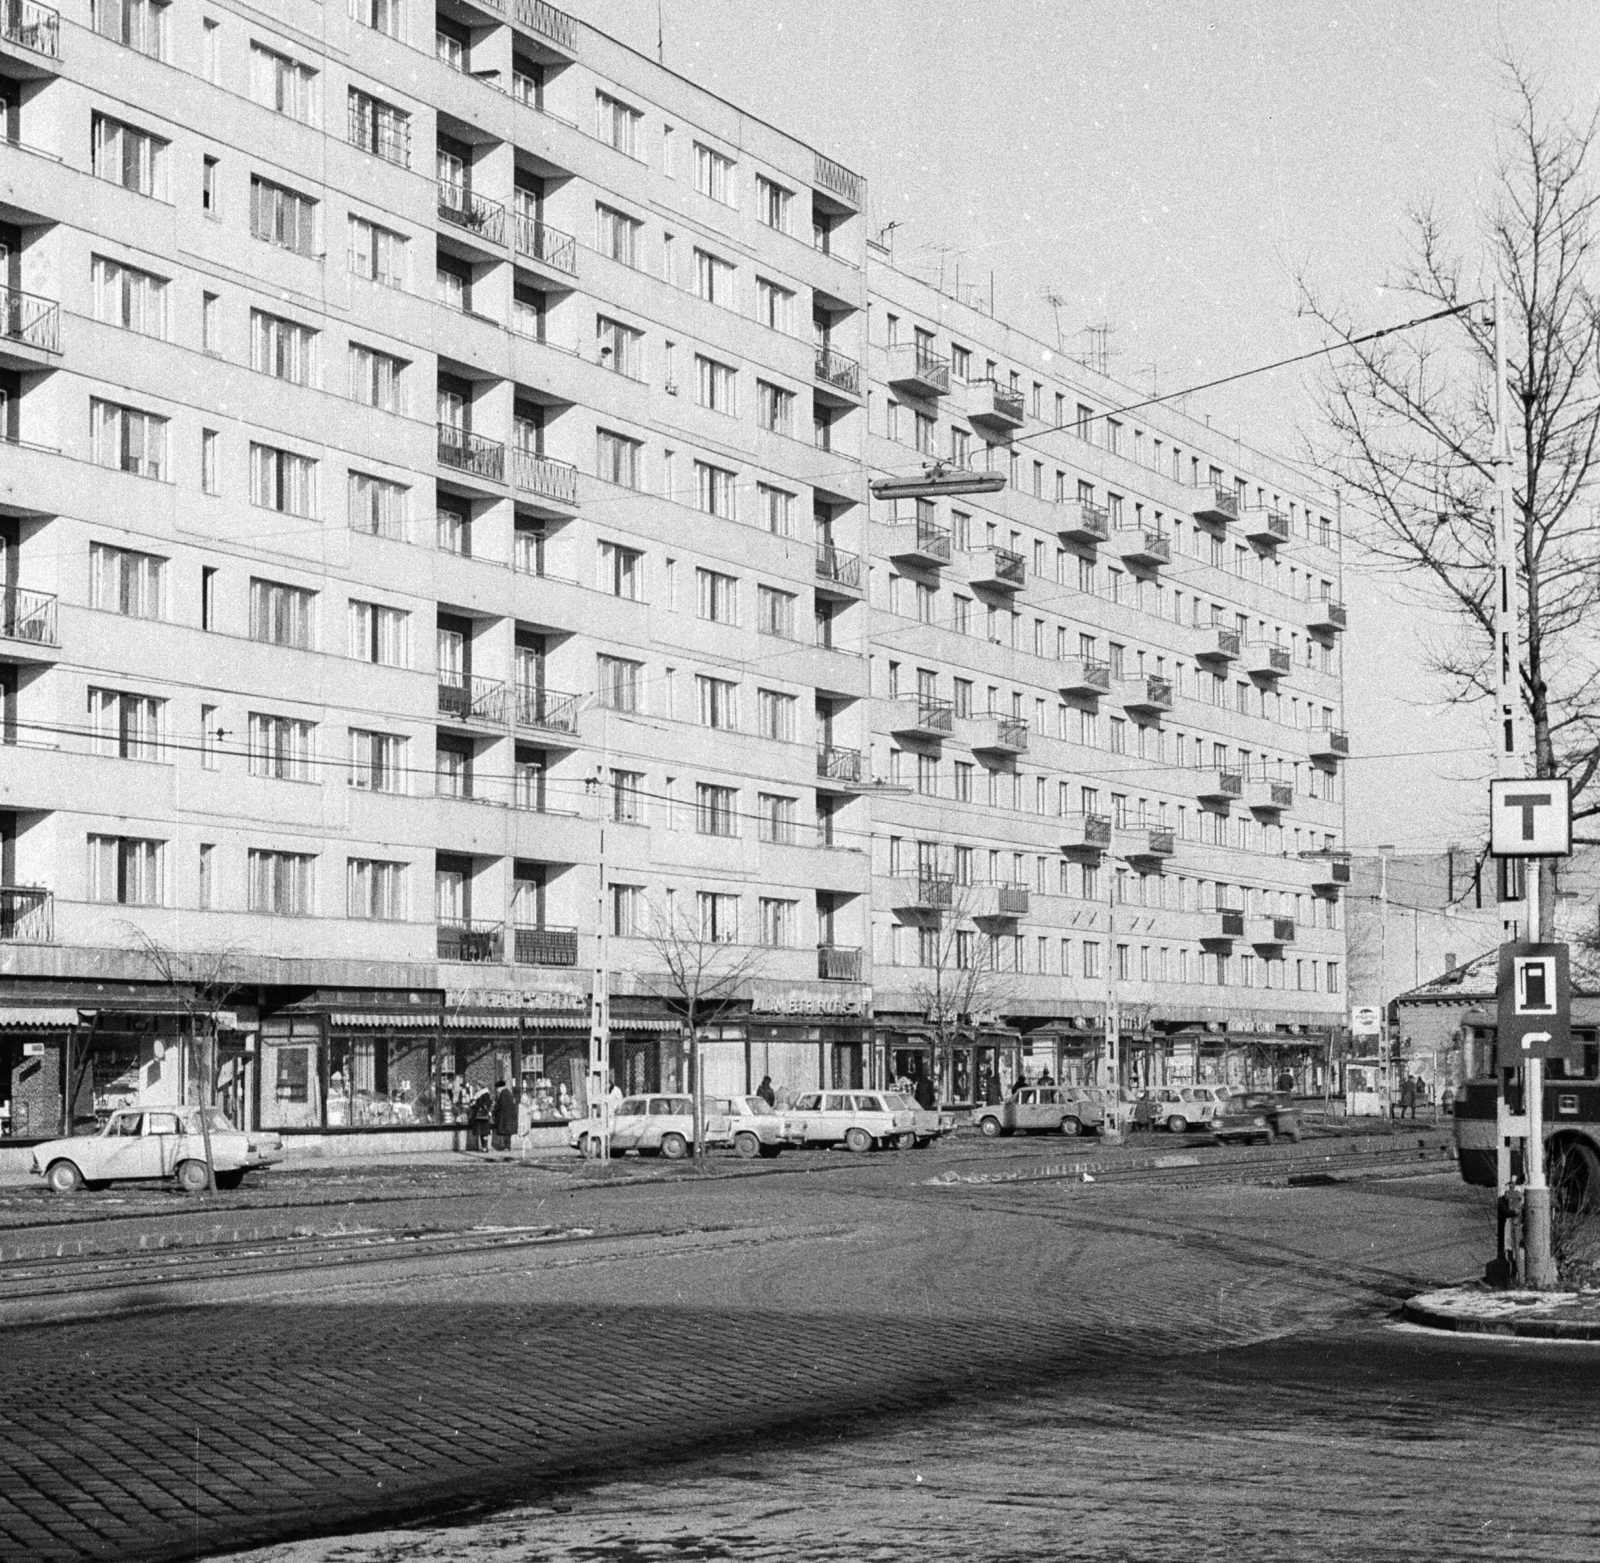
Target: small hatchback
point(655, 1125)
point(751, 1125)
point(1185, 1107)
point(1041, 1109)
point(154, 1143)
point(858, 1119)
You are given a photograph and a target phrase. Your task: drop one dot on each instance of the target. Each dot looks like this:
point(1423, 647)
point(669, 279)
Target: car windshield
point(758, 1106)
point(630, 1107)
point(214, 1119)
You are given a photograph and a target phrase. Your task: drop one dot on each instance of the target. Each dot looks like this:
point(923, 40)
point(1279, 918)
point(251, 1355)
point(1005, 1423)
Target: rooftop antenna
point(1098, 356)
point(661, 36)
point(1055, 301)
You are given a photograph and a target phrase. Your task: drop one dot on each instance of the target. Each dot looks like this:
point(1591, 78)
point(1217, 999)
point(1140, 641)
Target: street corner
point(1477, 1309)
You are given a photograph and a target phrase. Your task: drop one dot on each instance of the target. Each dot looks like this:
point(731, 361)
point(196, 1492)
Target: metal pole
point(1113, 1003)
point(1538, 1261)
point(599, 1004)
point(1386, 1085)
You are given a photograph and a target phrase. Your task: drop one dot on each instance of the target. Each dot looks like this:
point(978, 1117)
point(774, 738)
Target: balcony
point(473, 943)
point(1216, 644)
point(1083, 522)
point(1150, 696)
point(472, 454)
point(840, 765)
point(999, 735)
point(466, 699)
point(550, 24)
point(838, 373)
point(1140, 546)
point(1085, 833)
point(556, 481)
point(1153, 843)
point(537, 944)
point(27, 626)
point(1083, 676)
point(485, 220)
point(1261, 525)
point(923, 542)
point(838, 181)
point(1330, 875)
point(839, 572)
point(1269, 797)
point(924, 892)
point(27, 914)
point(1000, 902)
point(1271, 932)
point(547, 710)
point(1222, 926)
point(917, 371)
point(1216, 505)
point(1262, 659)
point(999, 569)
point(922, 716)
point(28, 322)
point(546, 245)
point(995, 406)
point(1220, 787)
point(838, 963)
point(35, 28)
point(1324, 616)
point(1329, 744)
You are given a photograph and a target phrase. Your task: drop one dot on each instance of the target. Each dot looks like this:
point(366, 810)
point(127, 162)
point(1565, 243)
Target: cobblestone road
point(271, 1406)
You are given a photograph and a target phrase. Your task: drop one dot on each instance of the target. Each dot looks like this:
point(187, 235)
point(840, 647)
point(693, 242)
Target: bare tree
point(701, 970)
point(1410, 435)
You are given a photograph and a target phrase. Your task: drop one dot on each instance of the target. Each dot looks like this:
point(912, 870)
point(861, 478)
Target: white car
point(858, 1119)
point(156, 1142)
point(653, 1125)
point(1185, 1107)
point(751, 1125)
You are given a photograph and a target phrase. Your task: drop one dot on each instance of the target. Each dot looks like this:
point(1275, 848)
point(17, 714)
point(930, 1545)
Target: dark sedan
point(1257, 1115)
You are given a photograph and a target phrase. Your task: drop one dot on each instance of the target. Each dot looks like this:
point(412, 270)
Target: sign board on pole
point(1535, 1003)
point(1530, 818)
point(1366, 1020)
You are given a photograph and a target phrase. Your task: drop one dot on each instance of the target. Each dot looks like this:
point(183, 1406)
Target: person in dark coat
point(765, 1091)
point(924, 1091)
point(505, 1116)
point(480, 1120)
point(991, 1090)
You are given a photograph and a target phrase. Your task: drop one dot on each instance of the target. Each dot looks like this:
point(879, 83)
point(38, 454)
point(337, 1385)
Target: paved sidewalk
point(1481, 1310)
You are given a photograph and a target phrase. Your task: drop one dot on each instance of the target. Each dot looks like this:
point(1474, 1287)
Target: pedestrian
point(924, 1091)
point(765, 1091)
point(1144, 1111)
point(991, 1089)
point(505, 1116)
point(1018, 1083)
point(1408, 1098)
point(1286, 1082)
point(1447, 1102)
point(614, 1096)
point(1045, 1079)
point(480, 1120)
point(784, 1099)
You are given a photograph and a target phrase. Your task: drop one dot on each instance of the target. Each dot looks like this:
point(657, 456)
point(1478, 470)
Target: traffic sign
point(1366, 1020)
point(1530, 818)
point(1535, 1003)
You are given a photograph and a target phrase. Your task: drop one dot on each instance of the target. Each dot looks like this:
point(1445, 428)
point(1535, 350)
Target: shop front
point(35, 1043)
point(809, 1038)
point(907, 1054)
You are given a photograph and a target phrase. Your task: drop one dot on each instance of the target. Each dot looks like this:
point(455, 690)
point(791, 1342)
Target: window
point(776, 714)
point(619, 681)
point(281, 480)
point(380, 128)
point(960, 361)
point(208, 597)
point(713, 489)
point(207, 887)
point(208, 461)
point(777, 818)
point(210, 196)
point(378, 254)
point(125, 870)
point(777, 509)
point(132, 158)
point(714, 383)
point(375, 891)
point(375, 378)
point(282, 216)
point(778, 922)
point(719, 917)
point(775, 612)
point(280, 347)
point(382, 16)
point(627, 911)
point(713, 279)
point(622, 571)
point(626, 803)
point(718, 701)
point(137, 24)
point(713, 175)
point(774, 408)
point(773, 204)
point(617, 458)
point(280, 747)
point(718, 596)
point(926, 434)
point(1091, 959)
point(379, 507)
point(283, 85)
point(123, 581)
point(281, 882)
point(378, 634)
point(279, 614)
point(774, 306)
point(714, 810)
point(617, 234)
point(210, 333)
point(128, 440)
point(620, 348)
point(126, 727)
point(127, 297)
point(617, 124)
point(377, 761)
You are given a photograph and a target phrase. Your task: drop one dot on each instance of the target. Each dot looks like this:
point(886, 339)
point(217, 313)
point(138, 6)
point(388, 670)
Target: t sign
point(1530, 818)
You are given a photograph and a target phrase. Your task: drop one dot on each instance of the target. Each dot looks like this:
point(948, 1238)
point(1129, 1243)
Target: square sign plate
point(1531, 818)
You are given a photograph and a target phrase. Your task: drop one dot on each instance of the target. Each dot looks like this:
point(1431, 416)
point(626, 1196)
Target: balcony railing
point(1330, 874)
point(1146, 694)
point(926, 715)
point(471, 699)
point(549, 246)
point(468, 452)
point(1155, 843)
point(841, 765)
point(990, 402)
point(1266, 526)
point(472, 942)
point(1264, 793)
point(541, 945)
point(843, 374)
point(1267, 660)
point(1082, 521)
point(1219, 645)
point(1086, 833)
point(924, 541)
point(1220, 786)
point(1084, 676)
point(481, 217)
point(548, 22)
point(838, 566)
point(387, 136)
point(838, 963)
point(27, 914)
point(1218, 505)
point(1000, 568)
point(1000, 734)
point(33, 321)
point(557, 480)
point(549, 710)
point(1227, 922)
point(28, 616)
point(1328, 743)
point(1140, 545)
point(919, 369)
point(1325, 616)
point(1010, 899)
point(935, 891)
point(838, 179)
point(1272, 930)
point(33, 26)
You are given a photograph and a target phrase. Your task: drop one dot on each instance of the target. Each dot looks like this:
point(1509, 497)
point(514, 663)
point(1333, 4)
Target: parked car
point(927, 1124)
point(1257, 1115)
point(156, 1142)
point(858, 1119)
point(1185, 1107)
point(751, 1125)
point(1036, 1109)
point(657, 1124)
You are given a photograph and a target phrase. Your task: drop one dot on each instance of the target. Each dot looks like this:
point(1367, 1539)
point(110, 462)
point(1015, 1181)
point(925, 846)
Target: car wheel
point(990, 1126)
point(1071, 1126)
point(62, 1177)
point(230, 1180)
point(770, 1152)
point(1177, 1125)
point(905, 1142)
point(748, 1145)
point(674, 1147)
point(191, 1176)
point(1574, 1177)
point(924, 1142)
point(1292, 1135)
point(857, 1140)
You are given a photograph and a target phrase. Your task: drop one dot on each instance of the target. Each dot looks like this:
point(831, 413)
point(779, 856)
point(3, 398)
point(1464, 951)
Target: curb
point(1417, 1310)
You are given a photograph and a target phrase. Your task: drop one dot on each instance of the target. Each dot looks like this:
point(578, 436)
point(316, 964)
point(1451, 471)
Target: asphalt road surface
point(851, 1361)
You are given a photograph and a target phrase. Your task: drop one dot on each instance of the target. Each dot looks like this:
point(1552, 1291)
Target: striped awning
point(496, 1020)
point(35, 1019)
point(413, 1019)
point(643, 1024)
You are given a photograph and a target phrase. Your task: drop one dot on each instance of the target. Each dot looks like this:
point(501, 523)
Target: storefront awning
point(32, 1019)
point(630, 1024)
point(413, 1019)
point(499, 1021)
point(572, 1022)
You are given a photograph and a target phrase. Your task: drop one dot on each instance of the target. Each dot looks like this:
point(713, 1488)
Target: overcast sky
point(1166, 167)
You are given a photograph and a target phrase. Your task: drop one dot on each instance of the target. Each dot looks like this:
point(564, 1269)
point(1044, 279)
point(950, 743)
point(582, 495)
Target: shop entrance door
point(845, 1066)
point(641, 1067)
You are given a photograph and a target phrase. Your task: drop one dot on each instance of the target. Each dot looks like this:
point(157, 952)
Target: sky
point(1169, 167)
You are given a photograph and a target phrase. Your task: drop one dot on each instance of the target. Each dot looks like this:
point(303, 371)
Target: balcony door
point(452, 890)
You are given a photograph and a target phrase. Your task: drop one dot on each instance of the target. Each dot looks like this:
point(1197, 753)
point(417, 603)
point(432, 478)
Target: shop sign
point(515, 998)
point(33, 1049)
point(805, 1001)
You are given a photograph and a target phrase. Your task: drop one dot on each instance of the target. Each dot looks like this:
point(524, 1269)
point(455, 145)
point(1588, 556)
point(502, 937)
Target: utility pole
point(600, 999)
point(1385, 1051)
